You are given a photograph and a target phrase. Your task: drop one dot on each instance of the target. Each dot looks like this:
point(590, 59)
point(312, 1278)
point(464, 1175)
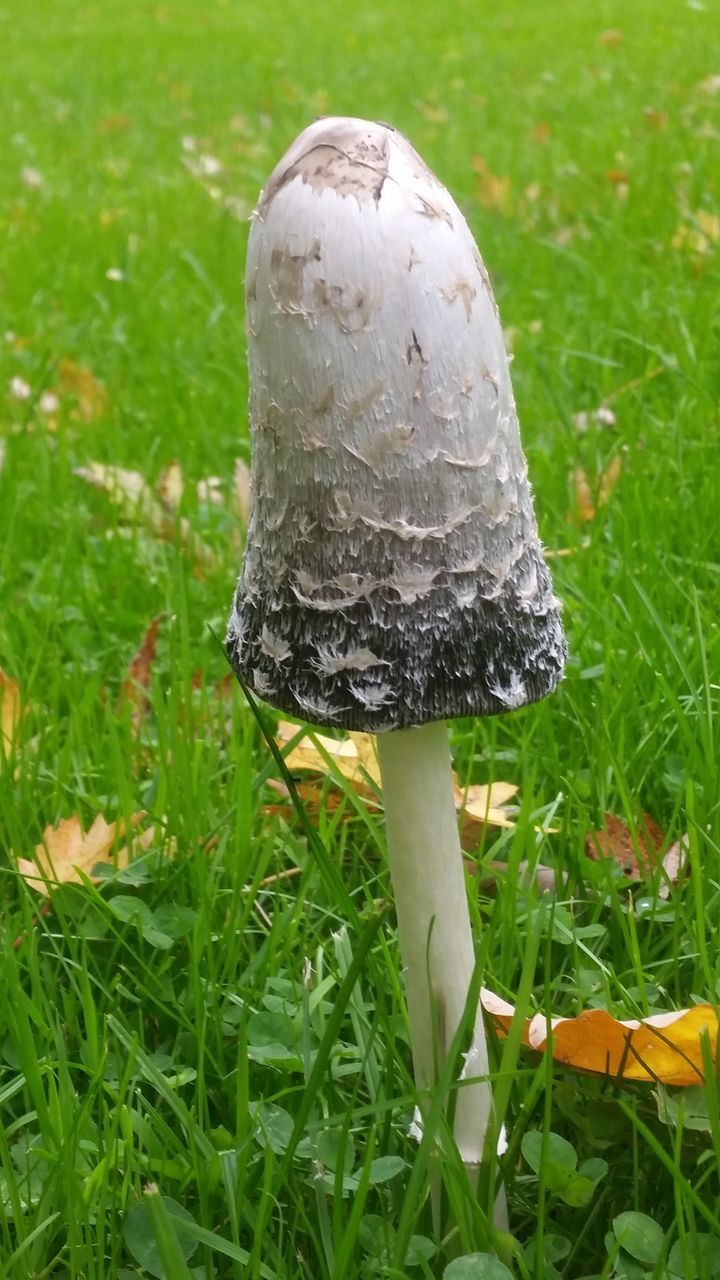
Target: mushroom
point(393, 576)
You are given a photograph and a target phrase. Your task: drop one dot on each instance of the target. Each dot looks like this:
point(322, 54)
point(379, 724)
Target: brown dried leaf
point(491, 191)
point(637, 857)
point(67, 851)
point(541, 132)
point(665, 1048)
point(79, 382)
point(611, 38)
point(137, 681)
point(11, 710)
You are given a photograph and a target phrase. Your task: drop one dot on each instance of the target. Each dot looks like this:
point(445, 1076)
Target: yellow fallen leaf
point(10, 713)
point(699, 234)
point(67, 851)
point(79, 381)
point(355, 757)
point(666, 1047)
point(484, 802)
point(491, 191)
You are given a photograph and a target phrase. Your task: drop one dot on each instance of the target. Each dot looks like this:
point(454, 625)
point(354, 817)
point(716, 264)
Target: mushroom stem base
point(436, 944)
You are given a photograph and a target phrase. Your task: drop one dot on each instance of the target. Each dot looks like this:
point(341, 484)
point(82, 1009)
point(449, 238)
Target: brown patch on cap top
point(349, 160)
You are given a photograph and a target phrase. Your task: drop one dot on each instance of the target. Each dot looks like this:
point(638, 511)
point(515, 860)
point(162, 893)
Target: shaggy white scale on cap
point(394, 573)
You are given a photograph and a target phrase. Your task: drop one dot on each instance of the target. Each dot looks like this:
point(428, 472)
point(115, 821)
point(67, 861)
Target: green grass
point(125, 1061)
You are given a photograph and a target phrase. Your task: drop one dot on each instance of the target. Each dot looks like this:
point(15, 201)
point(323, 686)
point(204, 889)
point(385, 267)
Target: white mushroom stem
point(436, 944)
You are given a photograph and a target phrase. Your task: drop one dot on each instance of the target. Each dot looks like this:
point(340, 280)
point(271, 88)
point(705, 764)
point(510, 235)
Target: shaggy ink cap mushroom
point(393, 573)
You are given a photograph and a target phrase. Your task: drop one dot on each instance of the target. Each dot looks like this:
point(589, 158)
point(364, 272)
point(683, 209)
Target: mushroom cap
point(393, 572)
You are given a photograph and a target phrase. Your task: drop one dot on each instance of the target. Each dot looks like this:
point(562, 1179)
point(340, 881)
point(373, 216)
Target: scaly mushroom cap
point(393, 572)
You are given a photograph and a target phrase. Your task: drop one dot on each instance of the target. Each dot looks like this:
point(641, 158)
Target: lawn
point(223, 1019)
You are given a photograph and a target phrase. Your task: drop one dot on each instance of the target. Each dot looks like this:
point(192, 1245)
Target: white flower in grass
point(114, 273)
point(20, 389)
point(49, 402)
point(32, 178)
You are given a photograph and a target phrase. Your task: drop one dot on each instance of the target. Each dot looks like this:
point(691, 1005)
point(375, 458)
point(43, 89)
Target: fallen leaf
point(79, 382)
point(132, 494)
point(637, 856)
point(665, 1048)
point(170, 486)
point(674, 864)
point(584, 505)
point(699, 234)
point(116, 123)
point(541, 132)
point(609, 477)
point(10, 715)
point(433, 113)
point(611, 38)
point(484, 803)
point(655, 119)
point(68, 854)
point(137, 682)
point(617, 176)
point(355, 758)
point(491, 191)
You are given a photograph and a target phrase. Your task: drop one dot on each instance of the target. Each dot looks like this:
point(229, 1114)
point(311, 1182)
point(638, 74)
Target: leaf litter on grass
point(69, 855)
point(11, 709)
point(355, 759)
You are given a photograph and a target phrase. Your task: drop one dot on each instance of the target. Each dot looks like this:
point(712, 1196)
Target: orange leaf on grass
point(665, 1048)
point(586, 506)
point(68, 854)
point(639, 856)
point(10, 715)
